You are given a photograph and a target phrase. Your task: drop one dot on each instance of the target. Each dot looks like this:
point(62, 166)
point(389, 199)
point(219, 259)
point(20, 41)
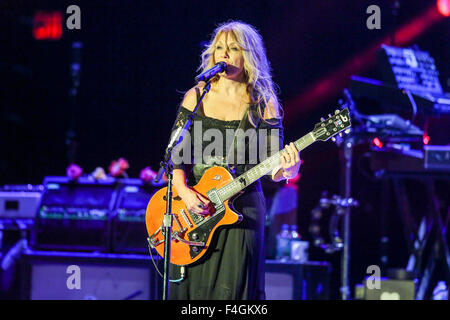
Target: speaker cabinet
point(297, 281)
point(391, 290)
point(86, 276)
point(128, 231)
point(75, 215)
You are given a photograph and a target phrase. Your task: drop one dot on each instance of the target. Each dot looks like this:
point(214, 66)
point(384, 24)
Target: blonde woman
point(242, 97)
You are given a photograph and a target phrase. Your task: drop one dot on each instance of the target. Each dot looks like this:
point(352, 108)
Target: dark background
point(138, 57)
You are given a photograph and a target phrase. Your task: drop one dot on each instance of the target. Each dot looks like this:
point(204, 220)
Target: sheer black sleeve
point(182, 154)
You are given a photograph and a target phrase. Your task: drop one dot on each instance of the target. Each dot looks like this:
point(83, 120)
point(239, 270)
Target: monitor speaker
point(297, 281)
point(84, 276)
point(391, 290)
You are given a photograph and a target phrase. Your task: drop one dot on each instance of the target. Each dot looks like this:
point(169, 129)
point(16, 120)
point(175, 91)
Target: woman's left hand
point(290, 161)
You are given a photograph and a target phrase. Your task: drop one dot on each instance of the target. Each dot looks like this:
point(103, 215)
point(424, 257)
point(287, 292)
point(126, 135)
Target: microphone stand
point(167, 166)
point(346, 146)
point(346, 155)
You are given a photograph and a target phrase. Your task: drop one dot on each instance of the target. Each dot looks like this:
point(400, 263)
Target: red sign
point(47, 25)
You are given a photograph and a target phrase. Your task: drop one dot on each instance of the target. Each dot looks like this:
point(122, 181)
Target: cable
point(413, 104)
point(182, 275)
point(151, 256)
point(182, 268)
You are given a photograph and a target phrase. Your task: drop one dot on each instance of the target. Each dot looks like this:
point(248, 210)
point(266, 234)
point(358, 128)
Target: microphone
point(211, 72)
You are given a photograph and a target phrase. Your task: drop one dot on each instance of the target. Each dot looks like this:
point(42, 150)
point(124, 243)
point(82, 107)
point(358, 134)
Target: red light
point(426, 139)
point(443, 7)
point(377, 142)
point(47, 25)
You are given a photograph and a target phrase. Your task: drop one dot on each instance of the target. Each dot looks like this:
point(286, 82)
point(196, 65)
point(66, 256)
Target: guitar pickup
point(214, 198)
point(190, 243)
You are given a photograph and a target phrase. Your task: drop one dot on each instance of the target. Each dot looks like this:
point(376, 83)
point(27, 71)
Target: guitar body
point(189, 227)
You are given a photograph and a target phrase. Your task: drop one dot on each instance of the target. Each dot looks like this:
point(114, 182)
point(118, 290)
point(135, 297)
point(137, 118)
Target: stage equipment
point(397, 99)
point(399, 160)
point(297, 281)
point(411, 82)
point(207, 75)
point(18, 207)
point(396, 160)
point(437, 157)
point(397, 165)
point(409, 68)
point(128, 221)
point(61, 275)
point(411, 85)
point(345, 145)
point(336, 205)
point(19, 201)
point(398, 285)
point(366, 128)
point(75, 215)
point(389, 290)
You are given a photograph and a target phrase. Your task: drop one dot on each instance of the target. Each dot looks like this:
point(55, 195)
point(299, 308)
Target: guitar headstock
point(333, 125)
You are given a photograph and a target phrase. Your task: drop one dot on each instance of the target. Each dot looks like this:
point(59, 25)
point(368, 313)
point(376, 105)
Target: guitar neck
point(260, 170)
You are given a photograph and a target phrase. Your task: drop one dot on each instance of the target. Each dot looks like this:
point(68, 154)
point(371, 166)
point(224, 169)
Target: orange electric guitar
point(192, 233)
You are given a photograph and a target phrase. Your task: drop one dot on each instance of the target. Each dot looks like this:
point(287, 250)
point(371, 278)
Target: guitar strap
point(244, 125)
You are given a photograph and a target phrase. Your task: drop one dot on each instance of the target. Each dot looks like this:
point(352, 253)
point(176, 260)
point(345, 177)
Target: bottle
point(298, 248)
point(440, 292)
point(283, 244)
point(294, 233)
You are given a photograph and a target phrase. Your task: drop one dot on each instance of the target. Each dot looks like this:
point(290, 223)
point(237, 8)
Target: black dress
point(233, 269)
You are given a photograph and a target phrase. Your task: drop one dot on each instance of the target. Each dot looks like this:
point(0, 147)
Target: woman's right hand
point(194, 201)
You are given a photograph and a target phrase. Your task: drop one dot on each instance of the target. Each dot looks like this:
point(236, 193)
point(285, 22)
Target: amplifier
point(389, 289)
point(437, 157)
point(129, 233)
point(297, 281)
point(60, 275)
point(75, 215)
point(19, 201)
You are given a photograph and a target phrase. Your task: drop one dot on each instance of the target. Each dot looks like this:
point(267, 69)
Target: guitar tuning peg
point(340, 134)
point(336, 112)
point(322, 119)
point(333, 139)
point(329, 115)
point(347, 131)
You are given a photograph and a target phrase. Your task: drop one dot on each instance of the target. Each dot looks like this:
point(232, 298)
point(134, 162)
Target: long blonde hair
point(257, 71)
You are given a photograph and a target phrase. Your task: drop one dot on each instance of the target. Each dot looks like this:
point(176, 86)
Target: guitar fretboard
point(260, 170)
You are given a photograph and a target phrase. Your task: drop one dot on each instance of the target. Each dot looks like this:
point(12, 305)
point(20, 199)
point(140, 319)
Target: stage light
point(377, 142)
point(426, 139)
point(443, 7)
point(47, 25)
